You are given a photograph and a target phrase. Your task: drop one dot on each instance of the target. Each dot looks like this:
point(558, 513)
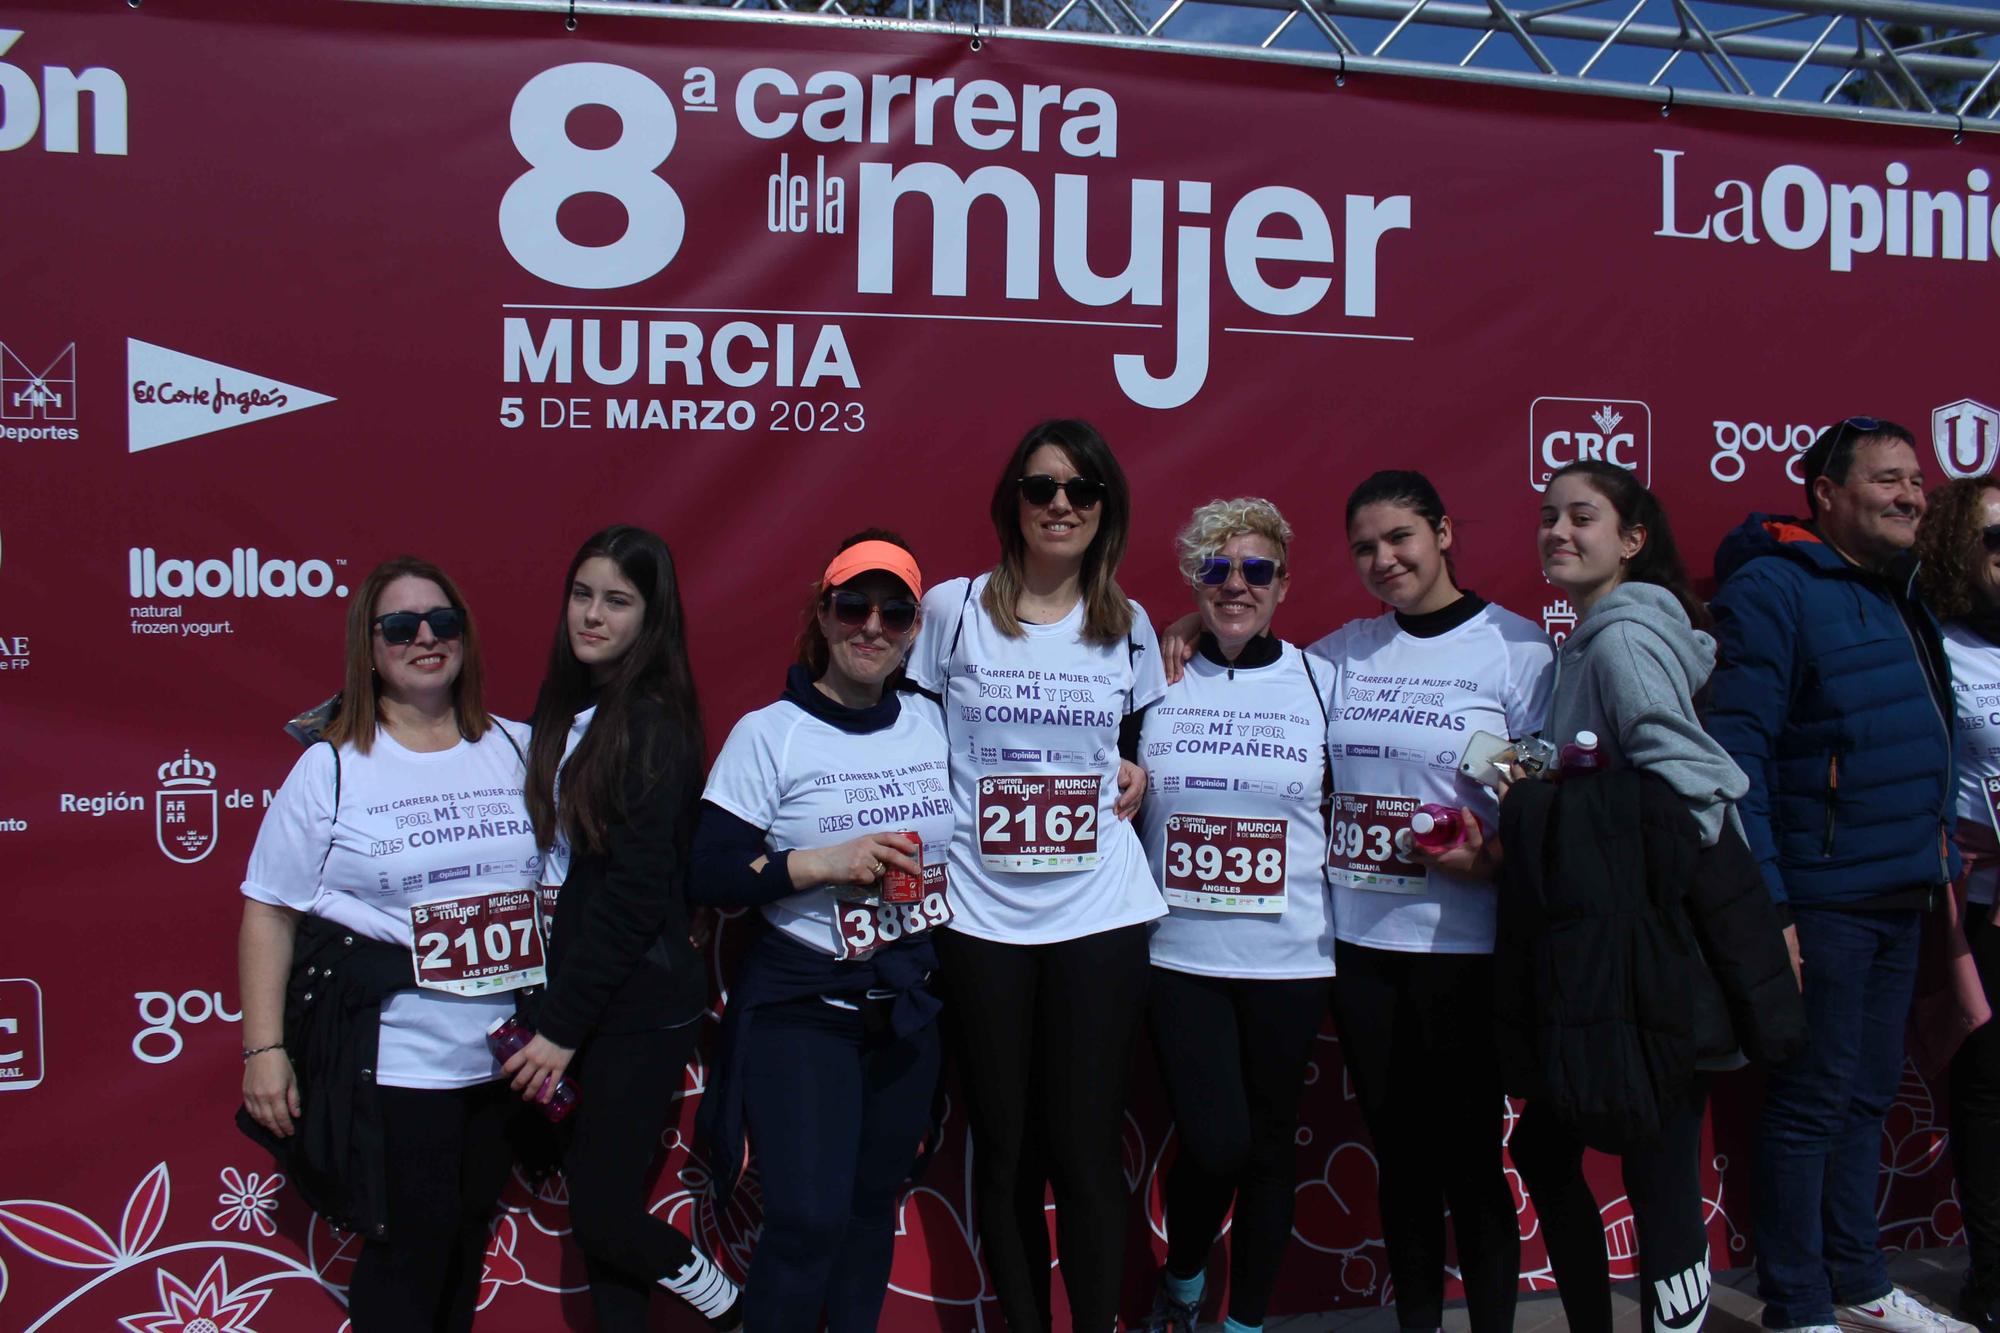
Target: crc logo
point(20, 1034)
point(1562, 431)
point(47, 395)
point(1558, 619)
point(1967, 436)
point(1734, 439)
point(185, 815)
point(159, 1042)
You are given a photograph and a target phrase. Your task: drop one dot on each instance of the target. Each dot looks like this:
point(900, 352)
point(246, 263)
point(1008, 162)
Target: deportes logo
point(158, 1042)
point(1562, 431)
point(1558, 619)
point(20, 1034)
point(1967, 436)
point(186, 814)
point(31, 395)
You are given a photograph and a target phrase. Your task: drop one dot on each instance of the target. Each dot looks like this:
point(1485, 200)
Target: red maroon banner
point(285, 290)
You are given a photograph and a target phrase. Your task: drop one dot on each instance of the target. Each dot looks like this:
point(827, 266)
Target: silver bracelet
point(248, 1051)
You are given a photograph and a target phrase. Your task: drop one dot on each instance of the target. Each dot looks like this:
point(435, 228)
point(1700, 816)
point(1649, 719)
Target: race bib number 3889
point(478, 943)
point(1040, 823)
point(862, 926)
point(1222, 863)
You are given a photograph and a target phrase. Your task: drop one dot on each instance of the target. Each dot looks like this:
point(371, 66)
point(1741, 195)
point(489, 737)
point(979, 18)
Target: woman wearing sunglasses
point(613, 774)
point(1235, 831)
point(1958, 572)
point(406, 821)
point(829, 812)
point(1044, 666)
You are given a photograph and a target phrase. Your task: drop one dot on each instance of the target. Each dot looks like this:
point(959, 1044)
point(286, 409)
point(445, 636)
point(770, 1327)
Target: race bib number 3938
point(1223, 863)
point(1040, 823)
point(478, 943)
point(1362, 852)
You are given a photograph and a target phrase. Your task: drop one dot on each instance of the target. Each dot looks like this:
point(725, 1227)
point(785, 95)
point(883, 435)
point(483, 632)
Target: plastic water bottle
point(1580, 755)
point(1436, 828)
point(509, 1036)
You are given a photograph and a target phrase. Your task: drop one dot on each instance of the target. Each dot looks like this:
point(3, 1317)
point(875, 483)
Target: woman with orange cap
point(830, 812)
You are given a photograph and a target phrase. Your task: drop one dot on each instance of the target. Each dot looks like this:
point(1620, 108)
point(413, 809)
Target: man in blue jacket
point(1833, 695)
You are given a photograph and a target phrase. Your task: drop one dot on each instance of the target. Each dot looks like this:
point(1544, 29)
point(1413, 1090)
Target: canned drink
point(900, 886)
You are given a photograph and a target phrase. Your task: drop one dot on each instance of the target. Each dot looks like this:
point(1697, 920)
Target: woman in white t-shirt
point(1958, 572)
point(830, 811)
point(1235, 832)
point(613, 779)
point(1414, 933)
point(399, 848)
point(1043, 666)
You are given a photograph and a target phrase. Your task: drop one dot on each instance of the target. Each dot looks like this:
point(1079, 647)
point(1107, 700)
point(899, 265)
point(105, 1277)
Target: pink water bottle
point(1436, 828)
point(509, 1036)
point(1580, 755)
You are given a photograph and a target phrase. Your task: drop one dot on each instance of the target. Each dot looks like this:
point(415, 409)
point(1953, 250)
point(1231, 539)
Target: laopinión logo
point(186, 810)
point(34, 403)
point(1966, 435)
point(1562, 431)
point(21, 1062)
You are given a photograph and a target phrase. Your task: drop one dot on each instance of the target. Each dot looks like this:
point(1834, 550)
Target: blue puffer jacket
point(1823, 697)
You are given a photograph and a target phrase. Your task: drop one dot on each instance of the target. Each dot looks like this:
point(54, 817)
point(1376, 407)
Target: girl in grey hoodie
point(1629, 672)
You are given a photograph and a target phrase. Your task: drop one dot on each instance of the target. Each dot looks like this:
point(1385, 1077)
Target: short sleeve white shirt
point(410, 828)
point(1250, 744)
point(808, 783)
point(1046, 703)
point(1403, 708)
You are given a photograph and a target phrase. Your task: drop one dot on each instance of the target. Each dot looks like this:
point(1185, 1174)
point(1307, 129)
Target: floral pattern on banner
point(258, 1261)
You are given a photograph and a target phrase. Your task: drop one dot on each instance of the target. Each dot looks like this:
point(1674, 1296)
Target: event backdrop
point(287, 289)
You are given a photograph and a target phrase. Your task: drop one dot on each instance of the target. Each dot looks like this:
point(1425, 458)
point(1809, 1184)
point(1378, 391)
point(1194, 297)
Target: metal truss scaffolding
point(1902, 61)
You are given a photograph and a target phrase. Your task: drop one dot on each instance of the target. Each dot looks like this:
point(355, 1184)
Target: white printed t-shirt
point(809, 784)
point(1975, 688)
point(1249, 745)
point(1403, 708)
point(1047, 703)
point(411, 828)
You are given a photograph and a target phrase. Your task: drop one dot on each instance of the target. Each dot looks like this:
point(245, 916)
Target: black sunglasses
point(1081, 492)
point(851, 609)
point(1257, 570)
point(1990, 538)
point(399, 627)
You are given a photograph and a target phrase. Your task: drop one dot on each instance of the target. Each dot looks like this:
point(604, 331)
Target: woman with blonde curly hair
point(1235, 833)
point(1959, 575)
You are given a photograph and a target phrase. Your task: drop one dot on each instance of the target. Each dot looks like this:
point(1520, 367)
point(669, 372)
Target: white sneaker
point(1897, 1312)
point(1807, 1328)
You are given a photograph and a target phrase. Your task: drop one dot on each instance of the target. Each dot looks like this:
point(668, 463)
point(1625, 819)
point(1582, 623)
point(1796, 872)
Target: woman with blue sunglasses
point(1235, 833)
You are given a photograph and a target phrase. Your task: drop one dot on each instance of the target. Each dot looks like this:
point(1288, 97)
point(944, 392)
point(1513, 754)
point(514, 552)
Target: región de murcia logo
point(185, 815)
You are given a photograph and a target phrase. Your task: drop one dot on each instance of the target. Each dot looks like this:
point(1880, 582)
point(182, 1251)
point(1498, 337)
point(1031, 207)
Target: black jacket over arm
point(619, 956)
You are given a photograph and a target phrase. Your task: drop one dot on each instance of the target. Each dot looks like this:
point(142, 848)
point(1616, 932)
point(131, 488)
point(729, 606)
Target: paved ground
point(1733, 1305)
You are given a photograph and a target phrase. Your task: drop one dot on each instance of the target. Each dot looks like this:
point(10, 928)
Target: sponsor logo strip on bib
point(478, 943)
point(1224, 863)
point(1362, 852)
point(1038, 823)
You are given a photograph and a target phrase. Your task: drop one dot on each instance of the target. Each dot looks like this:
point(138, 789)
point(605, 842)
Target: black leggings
point(1233, 1055)
point(837, 1107)
point(1044, 1035)
point(1663, 1185)
point(447, 1158)
point(1416, 1033)
point(1975, 1119)
point(626, 1083)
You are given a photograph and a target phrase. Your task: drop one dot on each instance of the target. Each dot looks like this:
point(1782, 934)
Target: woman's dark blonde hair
point(1949, 547)
point(1107, 615)
point(360, 703)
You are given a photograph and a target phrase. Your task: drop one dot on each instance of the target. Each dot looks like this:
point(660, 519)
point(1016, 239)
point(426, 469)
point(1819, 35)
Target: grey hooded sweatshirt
point(1629, 672)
